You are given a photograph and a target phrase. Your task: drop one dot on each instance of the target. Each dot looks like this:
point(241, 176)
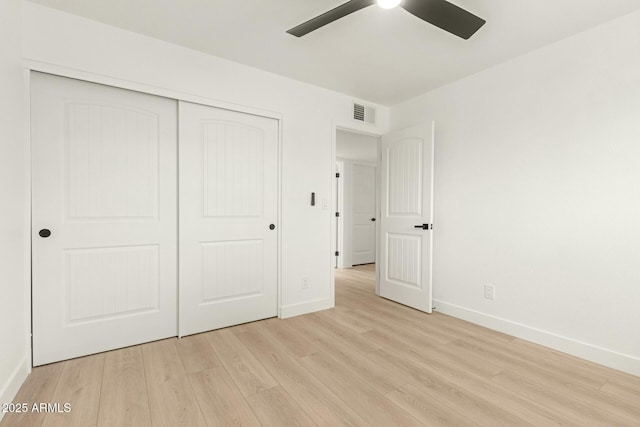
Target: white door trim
point(338, 200)
point(73, 73)
point(27, 279)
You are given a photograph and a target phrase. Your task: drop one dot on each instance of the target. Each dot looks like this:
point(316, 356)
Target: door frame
point(338, 200)
point(30, 66)
point(363, 130)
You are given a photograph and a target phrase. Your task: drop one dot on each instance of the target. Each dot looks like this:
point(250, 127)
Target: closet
point(151, 217)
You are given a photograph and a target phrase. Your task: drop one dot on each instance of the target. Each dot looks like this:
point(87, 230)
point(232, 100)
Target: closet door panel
point(104, 218)
point(228, 213)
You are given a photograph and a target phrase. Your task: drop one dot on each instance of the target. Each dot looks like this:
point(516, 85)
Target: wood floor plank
point(551, 361)
point(347, 319)
point(435, 354)
point(39, 387)
point(274, 407)
point(124, 400)
point(310, 394)
point(522, 363)
point(607, 402)
point(623, 391)
point(377, 376)
point(79, 385)
point(426, 409)
point(335, 332)
point(474, 381)
point(461, 328)
point(530, 411)
point(297, 344)
point(221, 402)
point(561, 379)
point(219, 399)
point(467, 362)
point(591, 373)
point(172, 401)
point(424, 330)
point(374, 407)
point(565, 404)
point(388, 308)
point(196, 354)
point(247, 372)
point(428, 380)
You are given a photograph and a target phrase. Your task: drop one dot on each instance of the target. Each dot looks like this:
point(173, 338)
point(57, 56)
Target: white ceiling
point(384, 56)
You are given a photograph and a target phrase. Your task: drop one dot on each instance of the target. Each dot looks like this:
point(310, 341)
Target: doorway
point(404, 210)
point(356, 198)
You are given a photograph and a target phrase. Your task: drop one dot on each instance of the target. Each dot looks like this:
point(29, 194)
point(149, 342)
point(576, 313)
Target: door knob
point(373, 219)
point(44, 233)
point(272, 227)
point(424, 226)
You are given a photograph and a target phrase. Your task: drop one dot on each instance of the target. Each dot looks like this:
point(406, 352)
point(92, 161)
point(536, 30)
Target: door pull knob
point(44, 233)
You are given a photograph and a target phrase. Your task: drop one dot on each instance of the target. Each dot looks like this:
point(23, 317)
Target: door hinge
point(337, 253)
point(337, 214)
point(337, 175)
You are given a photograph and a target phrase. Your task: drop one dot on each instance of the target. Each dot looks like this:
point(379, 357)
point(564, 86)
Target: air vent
point(363, 113)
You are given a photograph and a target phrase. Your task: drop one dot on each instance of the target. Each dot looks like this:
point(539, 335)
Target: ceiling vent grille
point(363, 113)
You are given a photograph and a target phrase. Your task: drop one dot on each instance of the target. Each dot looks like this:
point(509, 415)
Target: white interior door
point(228, 214)
point(405, 251)
point(364, 213)
point(104, 186)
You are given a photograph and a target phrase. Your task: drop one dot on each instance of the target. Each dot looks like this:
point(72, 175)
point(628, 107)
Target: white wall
point(537, 191)
point(356, 146)
point(14, 360)
point(310, 115)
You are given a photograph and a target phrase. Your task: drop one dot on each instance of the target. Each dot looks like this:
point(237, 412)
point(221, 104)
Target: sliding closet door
point(104, 218)
point(228, 212)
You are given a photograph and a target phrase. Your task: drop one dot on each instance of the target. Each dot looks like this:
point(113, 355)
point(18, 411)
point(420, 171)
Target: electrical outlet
point(305, 283)
point(489, 292)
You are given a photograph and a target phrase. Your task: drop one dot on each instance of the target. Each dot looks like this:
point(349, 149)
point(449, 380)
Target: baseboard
point(602, 356)
point(305, 307)
point(10, 388)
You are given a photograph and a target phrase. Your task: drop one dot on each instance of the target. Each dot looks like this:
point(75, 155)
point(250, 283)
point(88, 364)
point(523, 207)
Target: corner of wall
point(9, 390)
point(15, 361)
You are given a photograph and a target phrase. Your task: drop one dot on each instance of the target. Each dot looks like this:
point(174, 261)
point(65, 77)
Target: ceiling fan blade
point(330, 16)
point(445, 15)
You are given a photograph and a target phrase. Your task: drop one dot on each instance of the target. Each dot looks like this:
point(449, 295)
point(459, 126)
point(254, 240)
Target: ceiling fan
point(440, 13)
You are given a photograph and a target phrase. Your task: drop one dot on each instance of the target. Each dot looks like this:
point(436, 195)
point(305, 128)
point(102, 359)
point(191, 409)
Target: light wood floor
point(367, 362)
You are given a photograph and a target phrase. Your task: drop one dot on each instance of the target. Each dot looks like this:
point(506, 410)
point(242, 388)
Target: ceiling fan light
point(388, 4)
